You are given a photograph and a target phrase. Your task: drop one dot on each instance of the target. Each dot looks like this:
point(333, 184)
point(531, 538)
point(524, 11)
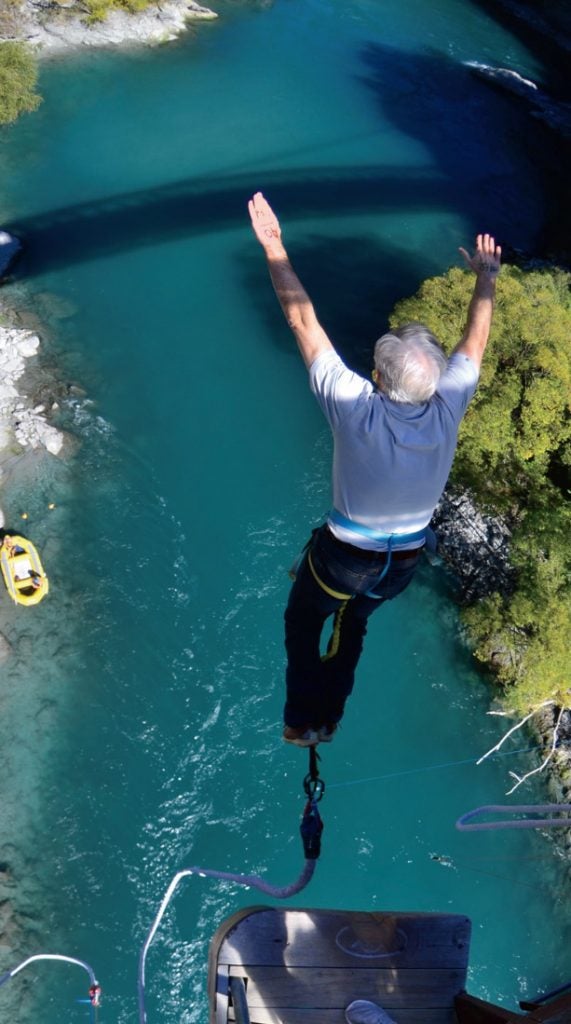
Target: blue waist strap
point(365, 531)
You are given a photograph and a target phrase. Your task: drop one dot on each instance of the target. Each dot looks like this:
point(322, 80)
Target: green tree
point(514, 445)
point(18, 78)
point(519, 420)
point(524, 637)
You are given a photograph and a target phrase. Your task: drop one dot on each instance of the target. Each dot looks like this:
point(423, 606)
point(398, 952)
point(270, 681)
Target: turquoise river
point(141, 707)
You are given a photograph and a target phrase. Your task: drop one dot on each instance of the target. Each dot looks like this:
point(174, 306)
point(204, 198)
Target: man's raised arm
point(486, 265)
point(294, 300)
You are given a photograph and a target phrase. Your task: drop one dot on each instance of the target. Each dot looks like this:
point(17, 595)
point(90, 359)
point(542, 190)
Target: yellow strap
point(333, 647)
point(328, 590)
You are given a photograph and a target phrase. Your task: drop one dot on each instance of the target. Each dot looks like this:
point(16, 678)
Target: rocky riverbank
point(475, 546)
point(23, 425)
point(24, 420)
point(32, 449)
point(53, 28)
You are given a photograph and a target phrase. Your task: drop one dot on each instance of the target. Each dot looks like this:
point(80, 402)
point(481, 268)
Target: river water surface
point(145, 695)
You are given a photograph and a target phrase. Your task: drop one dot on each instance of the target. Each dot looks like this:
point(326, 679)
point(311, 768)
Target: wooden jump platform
point(306, 966)
point(277, 966)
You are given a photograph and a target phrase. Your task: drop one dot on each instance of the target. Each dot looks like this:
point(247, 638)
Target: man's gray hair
point(410, 362)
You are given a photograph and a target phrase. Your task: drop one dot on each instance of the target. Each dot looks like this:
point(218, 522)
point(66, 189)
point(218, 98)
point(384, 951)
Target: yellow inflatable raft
point(22, 570)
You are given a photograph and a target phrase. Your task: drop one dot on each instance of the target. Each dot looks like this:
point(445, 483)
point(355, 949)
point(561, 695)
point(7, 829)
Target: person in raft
point(394, 443)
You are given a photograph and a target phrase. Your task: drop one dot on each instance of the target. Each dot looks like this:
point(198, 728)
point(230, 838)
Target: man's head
point(408, 364)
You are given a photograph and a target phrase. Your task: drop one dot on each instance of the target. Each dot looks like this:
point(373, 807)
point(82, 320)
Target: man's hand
point(486, 265)
point(266, 225)
point(292, 297)
point(486, 258)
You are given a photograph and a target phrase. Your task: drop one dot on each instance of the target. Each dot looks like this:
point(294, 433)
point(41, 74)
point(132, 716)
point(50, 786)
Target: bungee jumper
point(394, 442)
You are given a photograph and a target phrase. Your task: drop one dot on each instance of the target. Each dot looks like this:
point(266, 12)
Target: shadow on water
point(353, 283)
point(187, 208)
point(504, 168)
point(488, 160)
point(484, 148)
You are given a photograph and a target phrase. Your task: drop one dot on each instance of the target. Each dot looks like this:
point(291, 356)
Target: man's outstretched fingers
point(486, 257)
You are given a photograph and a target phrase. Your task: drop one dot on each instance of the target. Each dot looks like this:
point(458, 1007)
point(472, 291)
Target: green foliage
point(97, 10)
point(519, 419)
point(513, 452)
point(524, 638)
point(18, 77)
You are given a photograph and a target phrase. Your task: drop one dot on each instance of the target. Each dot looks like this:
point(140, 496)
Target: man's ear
point(376, 377)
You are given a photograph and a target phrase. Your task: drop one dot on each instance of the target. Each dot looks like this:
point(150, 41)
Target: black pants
point(334, 579)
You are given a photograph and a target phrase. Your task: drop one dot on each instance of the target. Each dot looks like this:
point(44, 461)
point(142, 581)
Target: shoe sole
point(303, 743)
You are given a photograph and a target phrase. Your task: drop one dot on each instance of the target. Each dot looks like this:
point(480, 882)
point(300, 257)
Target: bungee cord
point(465, 823)
point(311, 828)
point(94, 986)
point(49, 956)
point(251, 881)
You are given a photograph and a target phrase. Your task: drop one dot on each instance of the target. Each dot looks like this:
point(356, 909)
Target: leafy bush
point(524, 638)
point(514, 447)
point(519, 419)
point(18, 77)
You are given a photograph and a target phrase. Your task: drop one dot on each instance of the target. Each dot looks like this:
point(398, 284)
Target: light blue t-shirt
point(391, 460)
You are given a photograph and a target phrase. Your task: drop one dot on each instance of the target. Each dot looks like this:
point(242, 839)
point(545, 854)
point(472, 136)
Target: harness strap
point(328, 590)
point(371, 593)
point(365, 531)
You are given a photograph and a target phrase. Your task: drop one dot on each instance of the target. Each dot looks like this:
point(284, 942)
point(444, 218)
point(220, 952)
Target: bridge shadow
point(187, 208)
point(481, 163)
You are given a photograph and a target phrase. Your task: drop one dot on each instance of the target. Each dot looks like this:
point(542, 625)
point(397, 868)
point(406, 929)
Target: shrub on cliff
point(525, 638)
point(519, 421)
point(18, 77)
point(514, 453)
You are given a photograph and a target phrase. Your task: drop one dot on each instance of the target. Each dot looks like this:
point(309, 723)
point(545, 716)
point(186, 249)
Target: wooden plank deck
point(305, 966)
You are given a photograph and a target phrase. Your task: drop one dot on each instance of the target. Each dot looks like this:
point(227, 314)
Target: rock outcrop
point(22, 425)
point(474, 545)
point(55, 27)
point(555, 113)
